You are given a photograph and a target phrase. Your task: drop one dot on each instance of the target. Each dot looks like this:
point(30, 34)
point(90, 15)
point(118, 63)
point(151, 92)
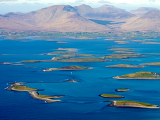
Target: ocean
point(81, 100)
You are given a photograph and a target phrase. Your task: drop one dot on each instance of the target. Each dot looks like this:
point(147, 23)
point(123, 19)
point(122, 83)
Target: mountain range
point(83, 18)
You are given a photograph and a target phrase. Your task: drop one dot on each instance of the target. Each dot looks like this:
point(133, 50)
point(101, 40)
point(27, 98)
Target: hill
point(150, 21)
point(142, 10)
point(62, 18)
point(105, 12)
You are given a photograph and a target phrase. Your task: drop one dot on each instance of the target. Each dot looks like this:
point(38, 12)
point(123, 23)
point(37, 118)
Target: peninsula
point(125, 66)
point(133, 104)
point(139, 75)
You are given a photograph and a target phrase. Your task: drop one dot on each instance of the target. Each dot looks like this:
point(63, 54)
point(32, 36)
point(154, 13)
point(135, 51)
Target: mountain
point(150, 21)
point(63, 18)
point(105, 12)
point(142, 10)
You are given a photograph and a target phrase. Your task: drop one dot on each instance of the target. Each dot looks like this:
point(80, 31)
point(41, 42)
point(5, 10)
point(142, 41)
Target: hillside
point(142, 10)
point(150, 21)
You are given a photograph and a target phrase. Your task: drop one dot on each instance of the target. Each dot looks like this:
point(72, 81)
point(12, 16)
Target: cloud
point(7, 0)
point(105, 1)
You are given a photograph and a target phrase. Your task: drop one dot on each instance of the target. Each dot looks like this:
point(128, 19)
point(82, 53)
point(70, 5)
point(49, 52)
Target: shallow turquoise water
point(81, 99)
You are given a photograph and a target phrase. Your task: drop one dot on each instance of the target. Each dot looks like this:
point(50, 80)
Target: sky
point(32, 5)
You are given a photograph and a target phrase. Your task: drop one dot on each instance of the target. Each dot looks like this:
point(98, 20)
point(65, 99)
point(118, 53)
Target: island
point(31, 61)
point(125, 66)
point(121, 49)
point(74, 67)
point(17, 86)
point(122, 90)
point(46, 98)
point(122, 56)
point(139, 75)
point(133, 104)
point(111, 96)
point(68, 59)
point(154, 64)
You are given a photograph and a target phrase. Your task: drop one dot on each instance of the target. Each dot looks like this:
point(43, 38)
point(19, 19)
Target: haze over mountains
point(83, 18)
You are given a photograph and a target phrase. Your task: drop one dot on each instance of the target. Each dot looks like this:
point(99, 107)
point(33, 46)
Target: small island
point(154, 64)
point(74, 67)
point(122, 90)
point(133, 104)
point(125, 66)
point(31, 61)
point(139, 75)
point(121, 49)
point(17, 86)
point(110, 96)
point(122, 56)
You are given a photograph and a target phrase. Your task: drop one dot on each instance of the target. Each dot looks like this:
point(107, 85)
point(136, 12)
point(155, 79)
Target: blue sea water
point(81, 99)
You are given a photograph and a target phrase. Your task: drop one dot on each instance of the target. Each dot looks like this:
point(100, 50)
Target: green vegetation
point(61, 52)
point(83, 54)
point(125, 66)
point(23, 88)
point(111, 96)
point(45, 96)
point(140, 103)
point(75, 67)
point(116, 57)
point(156, 63)
point(141, 75)
point(85, 59)
point(122, 90)
point(31, 61)
point(122, 56)
point(125, 52)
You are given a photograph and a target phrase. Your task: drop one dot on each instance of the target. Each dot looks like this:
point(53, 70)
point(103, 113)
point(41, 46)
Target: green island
point(122, 90)
point(121, 49)
point(132, 104)
point(156, 63)
point(84, 59)
point(61, 52)
point(139, 75)
point(121, 42)
point(125, 66)
point(83, 54)
point(111, 96)
point(31, 61)
point(17, 86)
point(74, 67)
point(150, 43)
point(125, 52)
point(122, 56)
point(22, 88)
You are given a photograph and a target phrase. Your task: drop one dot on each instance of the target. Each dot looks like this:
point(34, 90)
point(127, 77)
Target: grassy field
point(23, 88)
point(74, 67)
point(144, 104)
point(125, 66)
point(140, 75)
point(111, 96)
